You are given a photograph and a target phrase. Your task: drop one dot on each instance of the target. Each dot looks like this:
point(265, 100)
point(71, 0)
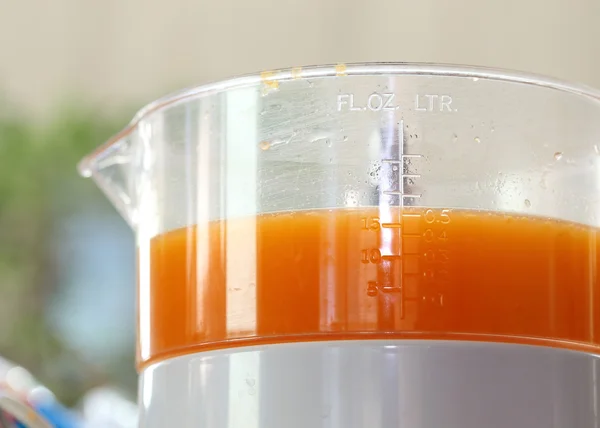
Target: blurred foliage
point(39, 185)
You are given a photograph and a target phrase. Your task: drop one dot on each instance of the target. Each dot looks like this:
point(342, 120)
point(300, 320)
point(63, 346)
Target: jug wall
point(283, 143)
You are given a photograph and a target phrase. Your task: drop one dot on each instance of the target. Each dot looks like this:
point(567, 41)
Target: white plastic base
point(374, 384)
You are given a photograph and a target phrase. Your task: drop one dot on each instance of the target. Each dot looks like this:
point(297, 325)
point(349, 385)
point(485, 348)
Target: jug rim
point(273, 77)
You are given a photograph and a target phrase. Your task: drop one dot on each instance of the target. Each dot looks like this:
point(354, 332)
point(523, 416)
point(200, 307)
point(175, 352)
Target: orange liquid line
point(341, 275)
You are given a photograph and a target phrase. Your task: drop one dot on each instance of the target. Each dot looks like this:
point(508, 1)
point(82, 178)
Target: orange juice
point(361, 273)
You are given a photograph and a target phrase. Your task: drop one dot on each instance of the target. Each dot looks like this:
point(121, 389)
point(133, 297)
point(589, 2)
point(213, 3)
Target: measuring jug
point(369, 245)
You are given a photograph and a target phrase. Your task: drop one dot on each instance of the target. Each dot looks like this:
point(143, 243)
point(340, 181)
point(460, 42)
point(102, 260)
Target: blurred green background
point(66, 258)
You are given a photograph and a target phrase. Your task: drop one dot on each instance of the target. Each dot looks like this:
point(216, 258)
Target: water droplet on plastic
point(475, 79)
point(345, 138)
point(558, 156)
point(351, 198)
point(454, 138)
point(374, 173)
point(527, 203)
point(477, 185)
point(250, 382)
point(492, 129)
point(477, 140)
point(264, 145)
point(322, 140)
point(269, 88)
point(395, 168)
point(330, 160)
point(597, 149)
point(252, 392)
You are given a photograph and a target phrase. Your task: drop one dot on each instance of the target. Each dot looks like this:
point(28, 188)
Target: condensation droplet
point(492, 129)
point(330, 160)
point(527, 203)
point(558, 156)
point(475, 79)
point(374, 173)
point(265, 145)
point(269, 88)
point(454, 138)
point(597, 149)
point(250, 382)
point(477, 140)
point(345, 138)
point(351, 198)
point(322, 140)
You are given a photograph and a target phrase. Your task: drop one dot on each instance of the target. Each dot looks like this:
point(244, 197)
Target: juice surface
point(362, 273)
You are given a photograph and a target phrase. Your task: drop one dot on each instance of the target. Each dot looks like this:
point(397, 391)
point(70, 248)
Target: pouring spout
point(110, 167)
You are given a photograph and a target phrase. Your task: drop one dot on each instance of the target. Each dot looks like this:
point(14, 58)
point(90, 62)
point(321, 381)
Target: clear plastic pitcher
point(373, 245)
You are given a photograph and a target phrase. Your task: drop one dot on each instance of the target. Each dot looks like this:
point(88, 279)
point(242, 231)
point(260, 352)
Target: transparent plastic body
point(362, 202)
